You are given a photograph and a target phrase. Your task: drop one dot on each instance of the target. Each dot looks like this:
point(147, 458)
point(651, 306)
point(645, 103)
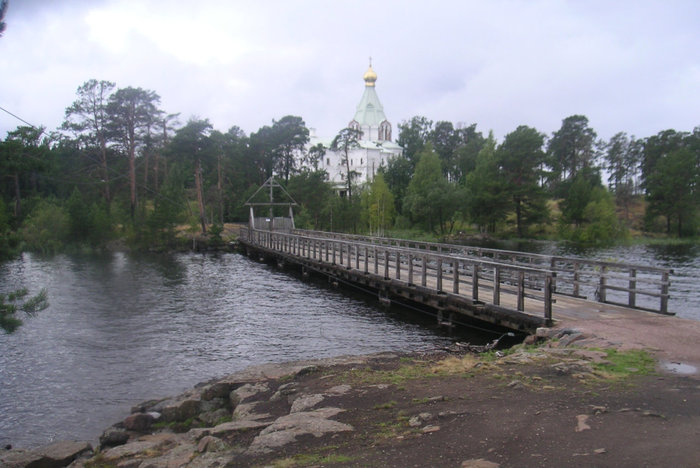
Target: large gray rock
point(306, 402)
point(58, 454)
point(212, 417)
point(286, 429)
point(113, 437)
point(179, 409)
point(139, 422)
point(220, 389)
point(228, 428)
point(247, 412)
point(247, 391)
point(214, 404)
point(211, 444)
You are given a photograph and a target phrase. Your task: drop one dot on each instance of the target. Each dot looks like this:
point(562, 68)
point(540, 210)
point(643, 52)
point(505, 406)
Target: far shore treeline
point(122, 169)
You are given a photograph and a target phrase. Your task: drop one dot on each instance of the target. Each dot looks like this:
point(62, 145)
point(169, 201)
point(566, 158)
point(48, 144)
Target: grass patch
point(392, 429)
point(179, 426)
point(387, 405)
point(622, 364)
point(311, 459)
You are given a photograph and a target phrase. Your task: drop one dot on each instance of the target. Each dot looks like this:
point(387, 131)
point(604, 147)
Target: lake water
point(124, 328)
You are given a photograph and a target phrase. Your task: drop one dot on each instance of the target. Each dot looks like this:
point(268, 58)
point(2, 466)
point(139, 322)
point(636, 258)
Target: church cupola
point(369, 116)
point(370, 76)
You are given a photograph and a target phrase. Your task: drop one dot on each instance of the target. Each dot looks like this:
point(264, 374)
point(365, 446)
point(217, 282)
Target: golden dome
point(370, 76)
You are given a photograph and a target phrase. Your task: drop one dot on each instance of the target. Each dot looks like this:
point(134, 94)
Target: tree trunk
point(105, 173)
point(132, 180)
point(156, 162)
point(347, 167)
point(200, 197)
point(518, 218)
point(145, 175)
point(219, 187)
point(18, 200)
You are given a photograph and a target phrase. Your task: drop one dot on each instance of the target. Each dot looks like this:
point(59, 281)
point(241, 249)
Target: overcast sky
point(629, 66)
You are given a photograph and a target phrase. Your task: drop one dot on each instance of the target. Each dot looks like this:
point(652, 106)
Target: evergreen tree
point(430, 199)
point(13, 302)
point(520, 157)
point(673, 190)
point(487, 197)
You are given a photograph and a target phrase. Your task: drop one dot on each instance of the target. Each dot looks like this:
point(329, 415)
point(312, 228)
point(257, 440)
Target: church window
point(385, 131)
point(360, 161)
point(328, 161)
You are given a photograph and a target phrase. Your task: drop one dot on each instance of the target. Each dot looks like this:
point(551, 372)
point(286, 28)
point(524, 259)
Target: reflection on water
point(121, 329)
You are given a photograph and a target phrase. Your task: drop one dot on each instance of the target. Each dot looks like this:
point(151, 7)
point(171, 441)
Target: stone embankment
point(382, 409)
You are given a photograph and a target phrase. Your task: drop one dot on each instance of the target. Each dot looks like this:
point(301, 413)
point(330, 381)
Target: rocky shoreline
point(355, 404)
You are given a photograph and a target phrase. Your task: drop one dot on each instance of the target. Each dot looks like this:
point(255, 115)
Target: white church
point(375, 147)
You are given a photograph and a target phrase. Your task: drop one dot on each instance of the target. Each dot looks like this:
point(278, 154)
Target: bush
point(46, 229)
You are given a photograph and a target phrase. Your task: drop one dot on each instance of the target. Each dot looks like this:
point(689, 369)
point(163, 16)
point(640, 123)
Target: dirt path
point(507, 413)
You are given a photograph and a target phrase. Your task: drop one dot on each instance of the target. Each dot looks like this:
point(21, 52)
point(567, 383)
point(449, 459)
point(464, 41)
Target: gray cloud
point(629, 66)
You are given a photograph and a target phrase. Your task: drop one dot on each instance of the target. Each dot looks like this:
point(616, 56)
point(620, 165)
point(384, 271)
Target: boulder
point(214, 404)
point(229, 428)
point(179, 410)
point(212, 417)
point(113, 437)
point(306, 402)
point(54, 455)
point(139, 422)
point(218, 390)
point(247, 391)
point(339, 389)
point(246, 411)
point(286, 429)
point(211, 444)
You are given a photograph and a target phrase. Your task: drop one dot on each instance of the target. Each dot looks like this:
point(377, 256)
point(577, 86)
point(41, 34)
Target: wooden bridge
point(515, 290)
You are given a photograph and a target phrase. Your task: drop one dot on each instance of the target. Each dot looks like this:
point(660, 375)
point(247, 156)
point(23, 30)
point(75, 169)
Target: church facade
point(375, 145)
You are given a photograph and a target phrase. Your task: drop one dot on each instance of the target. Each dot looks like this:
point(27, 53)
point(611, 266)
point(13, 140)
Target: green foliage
point(215, 235)
point(311, 191)
point(10, 305)
point(571, 149)
point(46, 229)
point(378, 206)
point(79, 218)
point(520, 157)
point(8, 240)
point(487, 198)
point(597, 222)
point(430, 199)
point(413, 135)
point(673, 190)
point(397, 175)
point(290, 135)
point(168, 211)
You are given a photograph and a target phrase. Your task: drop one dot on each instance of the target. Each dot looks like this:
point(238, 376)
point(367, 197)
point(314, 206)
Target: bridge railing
point(480, 280)
point(636, 286)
